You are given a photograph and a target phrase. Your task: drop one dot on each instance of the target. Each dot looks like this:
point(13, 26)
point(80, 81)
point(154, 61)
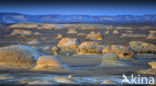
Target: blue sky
point(83, 9)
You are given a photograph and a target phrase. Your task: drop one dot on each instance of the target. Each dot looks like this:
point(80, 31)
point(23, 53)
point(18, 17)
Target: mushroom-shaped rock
point(122, 51)
point(89, 48)
point(94, 36)
point(72, 31)
point(18, 56)
point(152, 64)
point(68, 44)
point(51, 63)
point(55, 50)
point(22, 32)
point(111, 59)
point(142, 47)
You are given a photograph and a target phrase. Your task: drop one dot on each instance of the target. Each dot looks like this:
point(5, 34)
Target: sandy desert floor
point(85, 68)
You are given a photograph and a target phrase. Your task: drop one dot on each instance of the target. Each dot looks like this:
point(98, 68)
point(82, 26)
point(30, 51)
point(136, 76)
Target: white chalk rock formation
point(50, 63)
point(89, 48)
point(142, 47)
point(20, 56)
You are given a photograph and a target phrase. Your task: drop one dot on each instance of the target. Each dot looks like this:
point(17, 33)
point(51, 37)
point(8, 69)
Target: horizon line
point(78, 14)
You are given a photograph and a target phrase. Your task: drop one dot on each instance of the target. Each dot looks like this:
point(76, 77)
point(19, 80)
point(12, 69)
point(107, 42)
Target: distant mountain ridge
point(55, 18)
